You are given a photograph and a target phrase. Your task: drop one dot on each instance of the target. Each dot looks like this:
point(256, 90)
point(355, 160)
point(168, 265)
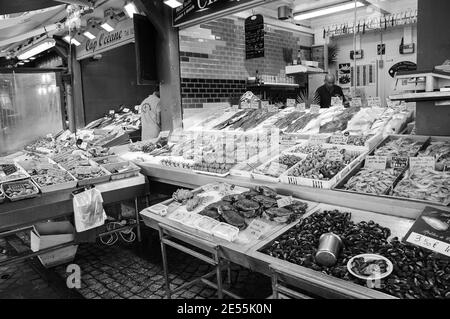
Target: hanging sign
point(254, 37)
point(195, 10)
point(122, 34)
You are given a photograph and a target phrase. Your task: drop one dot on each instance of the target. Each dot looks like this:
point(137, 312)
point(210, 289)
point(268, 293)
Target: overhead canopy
point(16, 6)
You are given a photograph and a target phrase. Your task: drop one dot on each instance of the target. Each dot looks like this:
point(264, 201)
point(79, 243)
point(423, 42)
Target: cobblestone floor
point(128, 271)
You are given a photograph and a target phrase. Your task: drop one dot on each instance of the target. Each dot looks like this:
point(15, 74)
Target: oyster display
point(233, 197)
point(210, 213)
point(297, 207)
point(247, 208)
point(265, 201)
point(279, 215)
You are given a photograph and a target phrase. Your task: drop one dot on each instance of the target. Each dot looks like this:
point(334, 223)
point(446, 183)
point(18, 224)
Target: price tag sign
point(318, 139)
point(257, 228)
point(254, 105)
point(339, 138)
point(284, 201)
point(265, 104)
point(335, 100)
point(301, 107)
point(314, 108)
point(424, 162)
point(290, 102)
point(164, 134)
point(374, 101)
point(356, 102)
point(112, 112)
point(375, 162)
point(334, 155)
point(431, 231)
point(399, 162)
point(126, 110)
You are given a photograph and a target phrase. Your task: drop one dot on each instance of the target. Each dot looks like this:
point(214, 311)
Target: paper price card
point(284, 201)
point(334, 155)
point(431, 231)
point(318, 139)
point(314, 108)
point(375, 162)
point(399, 162)
point(356, 102)
point(301, 107)
point(336, 101)
point(164, 134)
point(374, 101)
point(290, 102)
point(265, 104)
point(421, 162)
point(257, 228)
point(339, 138)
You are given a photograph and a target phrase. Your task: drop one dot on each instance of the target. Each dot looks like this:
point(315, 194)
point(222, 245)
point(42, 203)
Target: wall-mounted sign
point(402, 66)
point(194, 10)
point(122, 34)
point(254, 37)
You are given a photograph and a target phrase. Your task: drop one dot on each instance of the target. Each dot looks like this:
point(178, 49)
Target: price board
point(375, 162)
point(339, 138)
point(356, 102)
point(374, 101)
point(254, 37)
point(301, 107)
point(431, 231)
point(334, 155)
point(284, 201)
point(314, 108)
point(290, 102)
point(423, 162)
point(399, 162)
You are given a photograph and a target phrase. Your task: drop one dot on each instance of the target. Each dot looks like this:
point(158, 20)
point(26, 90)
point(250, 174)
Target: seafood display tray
point(17, 198)
point(341, 183)
point(271, 179)
point(20, 169)
point(316, 183)
point(418, 138)
point(57, 187)
point(96, 180)
point(115, 176)
point(329, 285)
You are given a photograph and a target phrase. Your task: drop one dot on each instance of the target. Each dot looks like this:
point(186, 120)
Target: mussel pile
point(417, 273)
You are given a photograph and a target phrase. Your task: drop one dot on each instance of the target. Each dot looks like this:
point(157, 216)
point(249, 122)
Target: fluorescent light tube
point(71, 41)
point(327, 10)
point(36, 48)
point(89, 35)
point(109, 24)
point(173, 3)
point(130, 9)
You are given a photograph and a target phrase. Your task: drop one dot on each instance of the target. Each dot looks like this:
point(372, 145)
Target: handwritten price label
point(301, 107)
point(375, 162)
point(284, 201)
point(265, 104)
point(339, 138)
point(334, 155)
point(399, 162)
point(318, 139)
point(290, 102)
point(314, 109)
point(423, 162)
point(356, 102)
point(164, 134)
point(374, 101)
point(429, 243)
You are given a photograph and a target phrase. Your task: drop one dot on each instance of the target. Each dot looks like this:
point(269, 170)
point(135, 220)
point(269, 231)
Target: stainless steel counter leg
point(218, 274)
point(165, 265)
point(138, 225)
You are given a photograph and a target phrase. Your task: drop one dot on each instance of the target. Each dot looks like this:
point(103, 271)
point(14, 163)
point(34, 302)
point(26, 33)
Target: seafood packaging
point(426, 185)
point(417, 273)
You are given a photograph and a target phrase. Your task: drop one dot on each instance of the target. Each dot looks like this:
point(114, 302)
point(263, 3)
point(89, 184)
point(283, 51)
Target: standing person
point(329, 90)
point(151, 116)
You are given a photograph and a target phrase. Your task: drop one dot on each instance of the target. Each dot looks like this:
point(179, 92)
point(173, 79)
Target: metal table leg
point(138, 225)
point(165, 266)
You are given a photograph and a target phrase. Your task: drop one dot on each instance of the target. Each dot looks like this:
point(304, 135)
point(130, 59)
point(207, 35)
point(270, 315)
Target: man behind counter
point(329, 90)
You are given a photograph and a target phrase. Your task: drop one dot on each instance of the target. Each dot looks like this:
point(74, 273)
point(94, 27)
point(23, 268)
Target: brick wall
point(213, 64)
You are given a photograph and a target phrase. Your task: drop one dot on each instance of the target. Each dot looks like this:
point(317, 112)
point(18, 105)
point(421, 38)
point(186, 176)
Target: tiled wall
point(212, 54)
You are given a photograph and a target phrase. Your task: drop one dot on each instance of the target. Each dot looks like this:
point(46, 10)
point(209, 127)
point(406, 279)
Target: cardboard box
point(45, 235)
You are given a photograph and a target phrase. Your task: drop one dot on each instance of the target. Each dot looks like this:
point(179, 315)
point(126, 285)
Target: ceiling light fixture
point(130, 9)
point(110, 21)
point(37, 48)
point(173, 3)
point(71, 40)
point(327, 10)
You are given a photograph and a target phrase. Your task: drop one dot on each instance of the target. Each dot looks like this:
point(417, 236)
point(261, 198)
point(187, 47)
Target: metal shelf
point(424, 96)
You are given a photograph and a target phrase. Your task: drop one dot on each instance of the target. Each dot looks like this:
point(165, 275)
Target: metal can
point(329, 246)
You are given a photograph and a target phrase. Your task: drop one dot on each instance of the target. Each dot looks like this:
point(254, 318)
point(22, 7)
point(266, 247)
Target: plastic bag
point(88, 210)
